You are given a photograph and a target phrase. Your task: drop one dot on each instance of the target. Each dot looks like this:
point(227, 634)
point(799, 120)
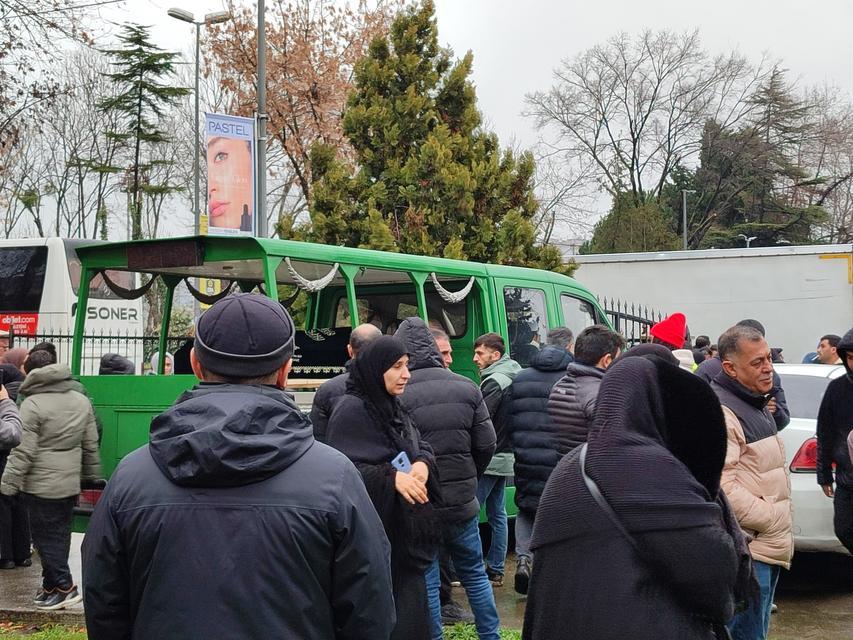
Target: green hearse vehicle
point(332, 288)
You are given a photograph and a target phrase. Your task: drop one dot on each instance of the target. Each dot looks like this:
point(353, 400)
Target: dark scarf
point(367, 381)
point(659, 439)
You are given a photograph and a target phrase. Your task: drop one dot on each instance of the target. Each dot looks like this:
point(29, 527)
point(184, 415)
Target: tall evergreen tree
point(429, 180)
point(142, 74)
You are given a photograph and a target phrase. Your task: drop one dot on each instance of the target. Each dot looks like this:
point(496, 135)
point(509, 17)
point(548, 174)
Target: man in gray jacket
point(572, 400)
point(59, 446)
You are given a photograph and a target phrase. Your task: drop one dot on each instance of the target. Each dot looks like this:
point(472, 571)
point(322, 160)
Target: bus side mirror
point(73, 309)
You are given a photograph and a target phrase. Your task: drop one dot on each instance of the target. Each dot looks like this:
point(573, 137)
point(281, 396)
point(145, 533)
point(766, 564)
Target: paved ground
point(18, 586)
point(815, 598)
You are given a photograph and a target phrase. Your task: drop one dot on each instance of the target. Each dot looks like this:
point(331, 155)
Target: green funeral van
point(330, 289)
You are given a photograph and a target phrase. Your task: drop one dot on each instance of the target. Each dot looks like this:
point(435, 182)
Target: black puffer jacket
point(234, 523)
point(451, 416)
point(834, 423)
point(536, 441)
point(572, 405)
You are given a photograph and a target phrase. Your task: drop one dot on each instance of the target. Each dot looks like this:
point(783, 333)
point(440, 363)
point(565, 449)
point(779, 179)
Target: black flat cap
point(244, 335)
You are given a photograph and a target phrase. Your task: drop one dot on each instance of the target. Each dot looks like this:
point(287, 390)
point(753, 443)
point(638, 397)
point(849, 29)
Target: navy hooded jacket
point(531, 430)
point(234, 523)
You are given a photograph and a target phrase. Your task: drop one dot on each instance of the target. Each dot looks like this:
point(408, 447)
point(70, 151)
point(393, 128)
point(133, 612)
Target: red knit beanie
point(671, 330)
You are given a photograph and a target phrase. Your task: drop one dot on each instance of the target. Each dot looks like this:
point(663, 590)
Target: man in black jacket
point(233, 522)
point(834, 423)
point(530, 431)
point(450, 414)
point(571, 404)
point(333, 390)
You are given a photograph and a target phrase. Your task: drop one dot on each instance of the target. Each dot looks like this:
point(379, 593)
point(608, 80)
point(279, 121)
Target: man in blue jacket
point(233, 522)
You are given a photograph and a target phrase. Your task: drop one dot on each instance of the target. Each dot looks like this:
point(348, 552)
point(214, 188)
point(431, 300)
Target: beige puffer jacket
point(755, 480)
point(59, 444)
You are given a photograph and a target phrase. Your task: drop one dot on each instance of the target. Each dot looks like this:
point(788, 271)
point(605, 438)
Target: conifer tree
point(430, 179)
point(142, 74)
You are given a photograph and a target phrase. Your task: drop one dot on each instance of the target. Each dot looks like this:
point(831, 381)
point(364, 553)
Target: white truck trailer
point(798, 293)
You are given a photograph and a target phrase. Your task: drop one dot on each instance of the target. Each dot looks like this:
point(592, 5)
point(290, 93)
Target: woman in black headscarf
point(369, 426)
point(658, 553)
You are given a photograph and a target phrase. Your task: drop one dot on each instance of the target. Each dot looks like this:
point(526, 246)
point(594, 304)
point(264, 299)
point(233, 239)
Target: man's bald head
point(361, 336)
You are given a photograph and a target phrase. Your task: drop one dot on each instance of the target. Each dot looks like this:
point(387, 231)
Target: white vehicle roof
point(816, 370)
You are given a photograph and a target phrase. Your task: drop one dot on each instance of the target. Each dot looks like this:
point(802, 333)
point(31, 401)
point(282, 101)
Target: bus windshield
point(22, 271)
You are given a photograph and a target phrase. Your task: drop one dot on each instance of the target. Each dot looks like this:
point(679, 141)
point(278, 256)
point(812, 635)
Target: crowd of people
point(651, 486)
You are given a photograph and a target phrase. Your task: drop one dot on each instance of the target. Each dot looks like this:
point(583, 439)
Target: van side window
point(526, 322)
point(387, 310)
point(577, 314)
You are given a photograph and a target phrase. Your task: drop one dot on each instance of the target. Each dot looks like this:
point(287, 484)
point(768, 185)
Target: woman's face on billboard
point(229, 181)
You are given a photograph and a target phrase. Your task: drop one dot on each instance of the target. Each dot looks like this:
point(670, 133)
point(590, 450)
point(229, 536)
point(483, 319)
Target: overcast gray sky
point(517, 45)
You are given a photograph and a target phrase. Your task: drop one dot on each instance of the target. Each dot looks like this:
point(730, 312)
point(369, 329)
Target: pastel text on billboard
point(228, 128)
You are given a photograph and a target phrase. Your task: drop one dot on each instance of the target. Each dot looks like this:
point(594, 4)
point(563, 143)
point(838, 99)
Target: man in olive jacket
point(59, 447)
point(233, 522)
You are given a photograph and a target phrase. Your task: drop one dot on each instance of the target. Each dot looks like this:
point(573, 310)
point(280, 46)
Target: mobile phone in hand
point(402, 462)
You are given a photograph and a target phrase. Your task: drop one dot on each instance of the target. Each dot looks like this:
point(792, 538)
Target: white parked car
point(804, 385)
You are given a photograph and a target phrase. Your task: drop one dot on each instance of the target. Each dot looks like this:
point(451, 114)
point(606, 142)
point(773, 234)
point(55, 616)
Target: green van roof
point(239, 258)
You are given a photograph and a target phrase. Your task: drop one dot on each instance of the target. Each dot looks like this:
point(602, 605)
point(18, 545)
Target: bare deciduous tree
point(628, 111)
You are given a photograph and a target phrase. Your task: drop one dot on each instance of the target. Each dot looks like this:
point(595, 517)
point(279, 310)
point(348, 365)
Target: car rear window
point(803, 394)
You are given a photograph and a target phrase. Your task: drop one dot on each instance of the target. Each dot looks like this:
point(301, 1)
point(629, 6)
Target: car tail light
point(88, 498)
point(806, 459)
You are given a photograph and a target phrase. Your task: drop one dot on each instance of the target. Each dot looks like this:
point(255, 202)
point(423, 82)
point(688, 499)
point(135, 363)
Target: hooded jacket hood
point(845, 346)
point(228, 435)
point(551, 358)
point(423, 352)
point(54, 378)
point(504, 370)
point(115, 364)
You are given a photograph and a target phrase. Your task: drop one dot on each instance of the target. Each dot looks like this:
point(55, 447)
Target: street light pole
point(684, 193)
point(196, 159)
point(261, 200)
point(748, 239)
point(210, 18)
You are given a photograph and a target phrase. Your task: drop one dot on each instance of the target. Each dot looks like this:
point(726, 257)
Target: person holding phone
point(370, 427)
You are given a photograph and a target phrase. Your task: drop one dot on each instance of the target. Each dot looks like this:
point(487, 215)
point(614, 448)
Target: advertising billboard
point(230, 143)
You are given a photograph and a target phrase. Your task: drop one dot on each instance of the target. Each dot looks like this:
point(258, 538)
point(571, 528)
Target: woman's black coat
point(656, 452)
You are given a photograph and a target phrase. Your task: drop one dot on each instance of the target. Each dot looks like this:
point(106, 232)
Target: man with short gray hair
point(442, 341)
point(754, 478)
point(333, 390)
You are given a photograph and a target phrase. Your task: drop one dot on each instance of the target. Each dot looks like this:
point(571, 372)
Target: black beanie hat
point(244, 335)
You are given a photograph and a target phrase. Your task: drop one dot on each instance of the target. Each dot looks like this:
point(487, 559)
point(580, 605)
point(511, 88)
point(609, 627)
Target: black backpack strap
point(602, 501)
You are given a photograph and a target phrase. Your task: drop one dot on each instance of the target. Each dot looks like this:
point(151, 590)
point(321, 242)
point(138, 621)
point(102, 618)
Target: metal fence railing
point(138, 349)
point(632, 321)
